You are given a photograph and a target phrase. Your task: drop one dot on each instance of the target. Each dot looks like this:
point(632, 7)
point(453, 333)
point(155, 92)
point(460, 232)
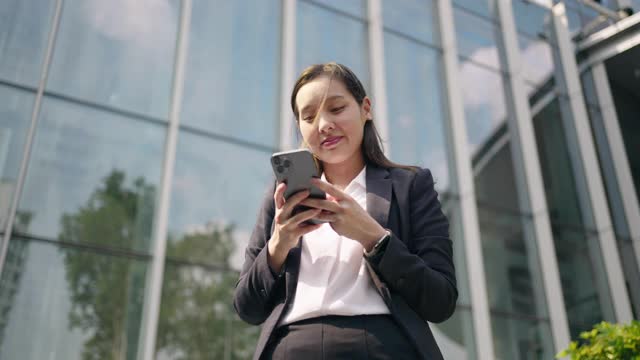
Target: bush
point(606, 341)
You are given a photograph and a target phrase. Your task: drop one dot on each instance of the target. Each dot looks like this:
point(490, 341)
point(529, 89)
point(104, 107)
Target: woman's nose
point(324, 123)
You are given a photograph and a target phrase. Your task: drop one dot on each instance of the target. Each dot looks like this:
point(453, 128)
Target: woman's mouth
point(331, 141)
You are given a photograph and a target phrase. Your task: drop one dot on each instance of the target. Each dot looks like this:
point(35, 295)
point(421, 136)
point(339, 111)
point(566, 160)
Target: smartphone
point(296, 168)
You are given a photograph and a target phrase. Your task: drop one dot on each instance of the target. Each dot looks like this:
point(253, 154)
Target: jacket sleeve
point(421, 269)
point(253, 296)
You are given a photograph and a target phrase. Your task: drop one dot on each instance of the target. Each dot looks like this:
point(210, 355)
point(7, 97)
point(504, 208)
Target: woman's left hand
point(345, 215)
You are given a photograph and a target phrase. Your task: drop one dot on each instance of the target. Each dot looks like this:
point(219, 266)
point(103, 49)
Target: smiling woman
point(364, 283)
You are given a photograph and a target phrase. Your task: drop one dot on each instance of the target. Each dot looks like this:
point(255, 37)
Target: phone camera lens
point(276, 161)
point(280, 169)
point(287, 163)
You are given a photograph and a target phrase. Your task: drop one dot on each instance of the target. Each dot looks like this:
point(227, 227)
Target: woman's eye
point(338, 109)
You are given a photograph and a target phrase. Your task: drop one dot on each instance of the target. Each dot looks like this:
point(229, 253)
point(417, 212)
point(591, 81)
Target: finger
point(292, 201)
point(327, 216)
point(278, 196)
point(321, 204)
point(303, 216)
point(329, 189)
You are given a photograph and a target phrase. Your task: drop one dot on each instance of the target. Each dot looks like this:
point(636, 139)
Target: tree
point(107, 291)
point(197, 320)
point(196, 316)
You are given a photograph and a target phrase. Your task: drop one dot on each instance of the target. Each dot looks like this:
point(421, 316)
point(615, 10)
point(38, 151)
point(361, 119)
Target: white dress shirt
point(333, 279)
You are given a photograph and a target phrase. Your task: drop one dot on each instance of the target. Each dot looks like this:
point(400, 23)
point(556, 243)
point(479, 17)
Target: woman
point(364, 284)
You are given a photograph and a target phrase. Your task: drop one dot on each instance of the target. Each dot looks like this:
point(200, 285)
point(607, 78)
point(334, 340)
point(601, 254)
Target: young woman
point(364, 284)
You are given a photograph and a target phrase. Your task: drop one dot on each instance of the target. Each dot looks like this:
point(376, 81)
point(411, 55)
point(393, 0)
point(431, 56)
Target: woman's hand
point(346, 216)
point(288, 229)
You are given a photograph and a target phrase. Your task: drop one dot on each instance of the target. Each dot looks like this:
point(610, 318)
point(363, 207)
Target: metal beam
point(589, 183)
point(531, 193)
point(462, 185)
point(153, 291)
point(376, 56)
point(626, 191)
point(287, 73)
point(31, 133)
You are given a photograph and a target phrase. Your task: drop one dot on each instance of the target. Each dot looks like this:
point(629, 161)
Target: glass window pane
point(577, 248)
point(224, 75)
point(15, 118)
point(93, 164)
point(484, 103)
point(537, 59)
point(324, 36)
point(24, 28)
point(353, 7)
point(120, 56)
point(217, 192)
point(414, 18)
point(65, 304)
point(481, 7)
point(208, 328)
point(416, 124)
point(521, 338)
point(454, 334)
point(476, 38)
point(531, 17)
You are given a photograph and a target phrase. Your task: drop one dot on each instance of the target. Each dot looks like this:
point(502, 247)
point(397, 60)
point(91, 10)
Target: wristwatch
point(378, 248)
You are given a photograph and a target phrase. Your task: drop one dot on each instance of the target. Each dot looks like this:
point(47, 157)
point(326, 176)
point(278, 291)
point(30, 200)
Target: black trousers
point(369, 337)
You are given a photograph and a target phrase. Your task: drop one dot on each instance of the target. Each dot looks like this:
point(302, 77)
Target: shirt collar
point(360, 180)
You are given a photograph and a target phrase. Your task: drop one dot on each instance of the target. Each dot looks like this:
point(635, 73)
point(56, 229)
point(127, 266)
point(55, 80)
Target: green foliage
point(606, 341)
point(107, 291)
point(197, 320)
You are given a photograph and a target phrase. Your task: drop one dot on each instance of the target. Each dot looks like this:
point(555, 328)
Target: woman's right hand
point(288, 229)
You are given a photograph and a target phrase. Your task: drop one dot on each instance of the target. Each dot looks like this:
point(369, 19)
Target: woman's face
point(335, 135)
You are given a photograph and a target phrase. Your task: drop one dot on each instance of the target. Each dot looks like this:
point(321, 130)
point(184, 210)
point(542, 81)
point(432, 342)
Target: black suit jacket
point(415, 276)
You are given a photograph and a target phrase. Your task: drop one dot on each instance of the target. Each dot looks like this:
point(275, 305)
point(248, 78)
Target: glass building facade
point(135, 139)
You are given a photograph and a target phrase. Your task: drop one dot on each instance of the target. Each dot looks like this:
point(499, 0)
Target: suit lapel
point(378, 194)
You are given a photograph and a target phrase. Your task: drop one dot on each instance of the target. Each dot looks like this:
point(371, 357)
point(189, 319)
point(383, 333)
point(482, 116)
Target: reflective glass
point(577, 249)
point(117, 53)
point(482, 7)
point(415, 18)
point(476, 38)
point(227, 89)
point(93, 167)
point(217, 191)
point(24, 29)
point(415, 107)
point(324, 36)
point(625, 91)
point(62, 303)
point(557, 172)
point(454, 335)
point(356, 8)
point(532, 17)
point(15, 118)
point(574, 17)
point(510, 265)
point(521, 338)
point(484, 103)
point(495, 177)
point(537, 59)
point(208, 328)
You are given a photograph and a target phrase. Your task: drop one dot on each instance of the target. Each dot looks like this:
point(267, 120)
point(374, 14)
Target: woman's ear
point(366, 108)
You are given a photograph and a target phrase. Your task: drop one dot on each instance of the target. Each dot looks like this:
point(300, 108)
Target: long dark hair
point(371, 141)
